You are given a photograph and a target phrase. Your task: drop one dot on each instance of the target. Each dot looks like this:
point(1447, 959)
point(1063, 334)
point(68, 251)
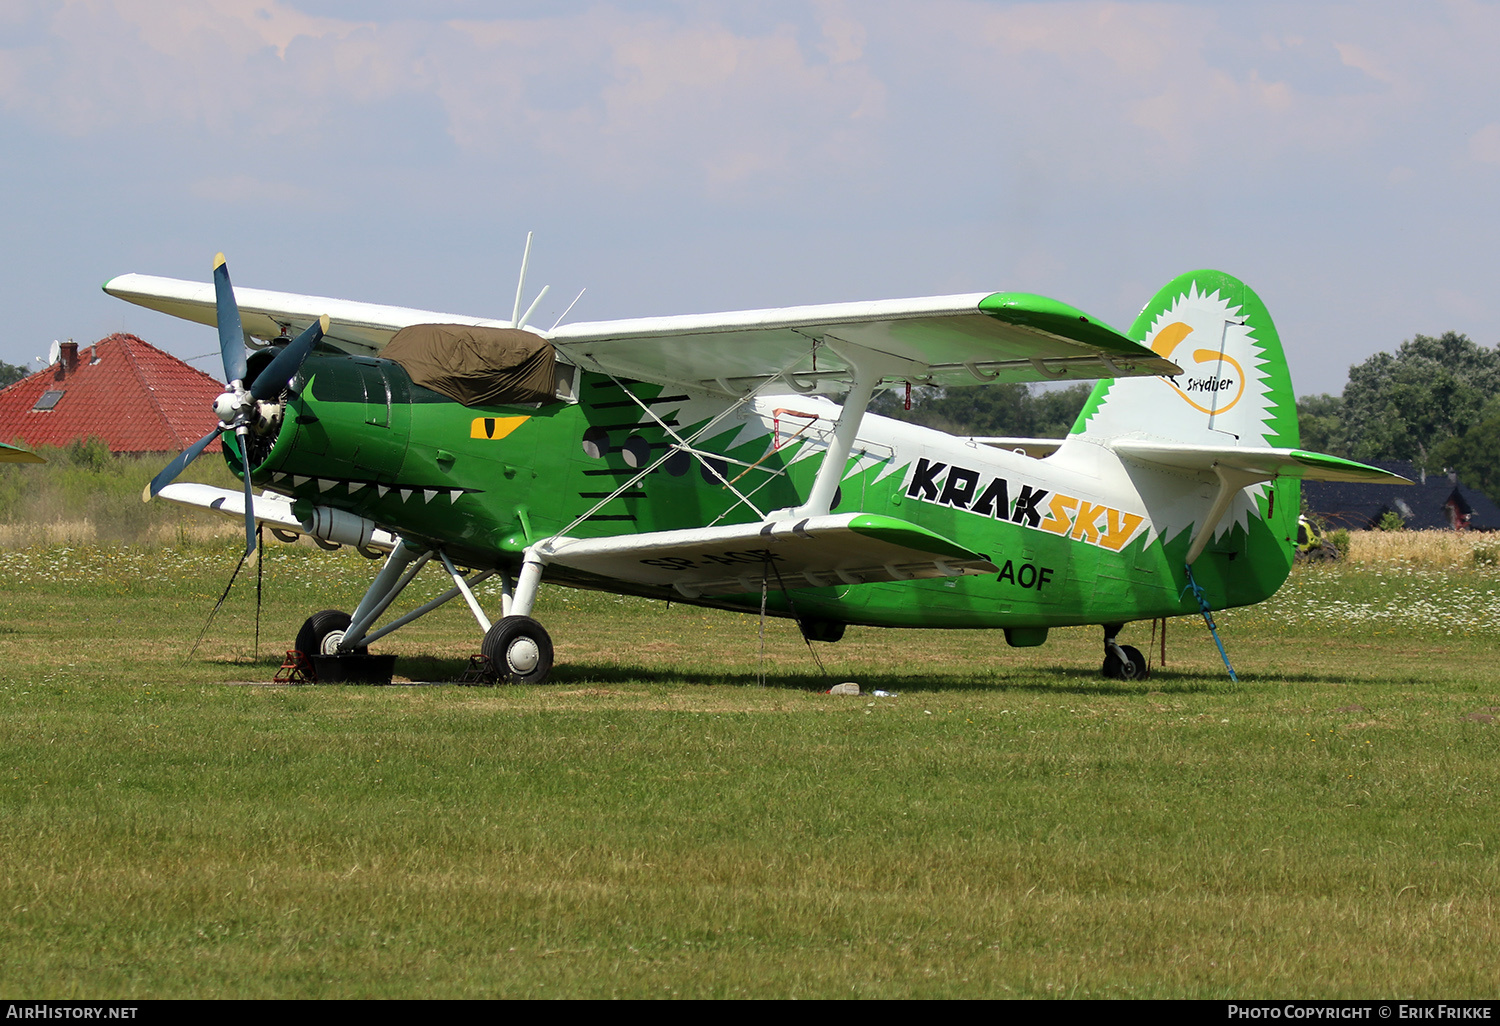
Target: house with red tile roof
point(121, 389)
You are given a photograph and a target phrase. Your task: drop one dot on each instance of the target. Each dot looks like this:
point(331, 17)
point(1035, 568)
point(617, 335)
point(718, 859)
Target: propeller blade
point(244, 436)
point(178, 465)
point(279, 371)
point(231, 332)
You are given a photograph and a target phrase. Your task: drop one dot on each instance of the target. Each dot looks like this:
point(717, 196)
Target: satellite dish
point(55, 353)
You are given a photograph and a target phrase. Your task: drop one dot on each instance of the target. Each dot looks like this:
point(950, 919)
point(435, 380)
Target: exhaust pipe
point(340, 527)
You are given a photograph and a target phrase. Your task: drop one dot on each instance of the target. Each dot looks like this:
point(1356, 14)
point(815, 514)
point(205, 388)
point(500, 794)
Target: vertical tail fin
point(1234, 392)
point(1234, 389)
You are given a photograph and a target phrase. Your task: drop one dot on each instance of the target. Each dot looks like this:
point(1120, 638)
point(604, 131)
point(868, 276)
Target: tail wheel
point(519, 650)
point(1132, 667)
point(323, 632)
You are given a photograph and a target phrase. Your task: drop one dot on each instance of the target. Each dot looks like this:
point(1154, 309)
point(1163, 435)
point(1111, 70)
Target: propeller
point(235, 407)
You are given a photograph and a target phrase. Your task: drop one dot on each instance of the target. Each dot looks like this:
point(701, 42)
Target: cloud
point(249, 190)
point(1484, 145)
point(629, 99)
point(106, 64)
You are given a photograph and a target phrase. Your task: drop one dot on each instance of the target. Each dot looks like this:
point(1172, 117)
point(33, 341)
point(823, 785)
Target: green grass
point(655, 823)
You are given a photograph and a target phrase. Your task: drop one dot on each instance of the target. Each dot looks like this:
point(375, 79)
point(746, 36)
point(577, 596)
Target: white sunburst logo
point(1222, 398)
point(1217, 351)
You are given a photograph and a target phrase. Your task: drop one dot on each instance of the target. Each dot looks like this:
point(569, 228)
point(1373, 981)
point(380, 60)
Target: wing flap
point(815, 552)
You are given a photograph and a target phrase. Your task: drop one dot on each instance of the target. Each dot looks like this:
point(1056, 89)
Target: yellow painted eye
point(495, 428)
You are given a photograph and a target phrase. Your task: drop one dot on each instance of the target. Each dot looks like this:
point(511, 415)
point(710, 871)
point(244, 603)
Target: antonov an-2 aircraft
point(697, 458)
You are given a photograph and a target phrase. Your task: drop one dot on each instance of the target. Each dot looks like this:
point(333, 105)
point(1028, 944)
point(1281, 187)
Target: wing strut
point(1231, 481)
point(400, 568)
point(870, 369)
point(535, 558)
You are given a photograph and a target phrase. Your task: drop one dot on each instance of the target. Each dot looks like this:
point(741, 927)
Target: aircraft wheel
point(1132, 667)
point(322, 633)
point(519, 650)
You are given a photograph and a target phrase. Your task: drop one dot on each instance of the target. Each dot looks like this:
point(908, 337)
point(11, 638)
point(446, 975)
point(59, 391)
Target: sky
point(696, 156)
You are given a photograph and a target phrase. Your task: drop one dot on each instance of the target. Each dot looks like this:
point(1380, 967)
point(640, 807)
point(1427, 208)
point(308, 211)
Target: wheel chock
point(296, 669)
point(480, 670)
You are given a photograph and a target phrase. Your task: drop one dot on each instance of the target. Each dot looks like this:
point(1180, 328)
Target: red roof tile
point(121, 389)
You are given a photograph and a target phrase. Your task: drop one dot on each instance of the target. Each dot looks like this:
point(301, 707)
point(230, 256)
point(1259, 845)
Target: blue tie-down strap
point(1208, 618)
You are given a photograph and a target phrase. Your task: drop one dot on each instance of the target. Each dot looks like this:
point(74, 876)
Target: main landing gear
point(1121, 662)
point(323, 632)
point(517, 648)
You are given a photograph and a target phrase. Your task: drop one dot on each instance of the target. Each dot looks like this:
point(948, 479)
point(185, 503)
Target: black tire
point(519, 650)
point(322, 632)
point(1133, 667)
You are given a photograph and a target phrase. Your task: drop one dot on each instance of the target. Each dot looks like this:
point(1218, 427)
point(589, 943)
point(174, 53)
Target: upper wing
point(952, 340)
point(947, 340)
point(18, 454)
point(265, 314)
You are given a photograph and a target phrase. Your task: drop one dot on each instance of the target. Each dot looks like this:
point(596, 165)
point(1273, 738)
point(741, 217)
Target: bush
point(89, 453)
point(1391, 521)
point(1340, 539)
point(85, 495)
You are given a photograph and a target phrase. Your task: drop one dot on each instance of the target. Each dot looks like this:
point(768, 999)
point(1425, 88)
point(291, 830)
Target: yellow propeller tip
point(219, 261)
point(323, 320)
point(146, 493)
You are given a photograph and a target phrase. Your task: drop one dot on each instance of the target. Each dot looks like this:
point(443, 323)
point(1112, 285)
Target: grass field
point(656, 823)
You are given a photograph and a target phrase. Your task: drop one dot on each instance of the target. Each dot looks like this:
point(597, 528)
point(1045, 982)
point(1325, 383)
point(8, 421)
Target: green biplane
point(699, 459)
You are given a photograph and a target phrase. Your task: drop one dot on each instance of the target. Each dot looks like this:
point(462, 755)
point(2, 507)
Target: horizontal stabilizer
point(814, 552)
point(271, 510)
point(1263, 464)
point(1237, 468)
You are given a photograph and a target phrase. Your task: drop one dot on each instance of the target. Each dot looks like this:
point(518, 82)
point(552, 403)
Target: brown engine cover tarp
point(476, 366)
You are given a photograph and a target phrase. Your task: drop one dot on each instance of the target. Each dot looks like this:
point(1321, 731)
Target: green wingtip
point(1350, 468)
point(1058, 318)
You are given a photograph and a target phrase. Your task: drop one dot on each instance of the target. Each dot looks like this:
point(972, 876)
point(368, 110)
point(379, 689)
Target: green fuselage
point(1076, 539)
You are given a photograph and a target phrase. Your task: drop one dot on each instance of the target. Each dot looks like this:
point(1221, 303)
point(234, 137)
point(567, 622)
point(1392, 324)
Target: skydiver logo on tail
point(1211, 374)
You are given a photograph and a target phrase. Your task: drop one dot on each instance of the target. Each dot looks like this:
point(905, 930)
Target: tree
point(10, 373)
point(1476, 453)
point(1005, 410)
point(1321, 425)
point(1432, 389)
